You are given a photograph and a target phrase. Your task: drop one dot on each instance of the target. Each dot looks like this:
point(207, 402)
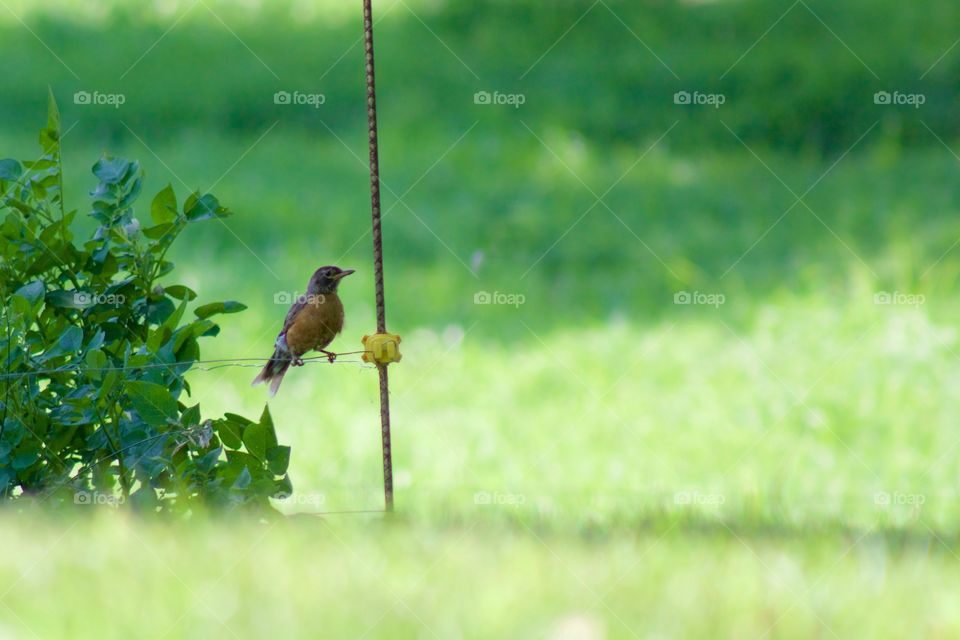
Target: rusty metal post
point(378, 249)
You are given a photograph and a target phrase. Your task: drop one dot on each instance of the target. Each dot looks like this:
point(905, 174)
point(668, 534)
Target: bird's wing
point(295, 309)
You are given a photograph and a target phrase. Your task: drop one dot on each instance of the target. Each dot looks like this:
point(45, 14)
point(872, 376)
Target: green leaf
point(97, 340)
point(32, 291)
point(174, 318)
point(214, 308)
point(50, 135)
point(71, 340)
point(70, 299)
point(188, 352)
point(111, 170)
point(255, 440)
point(133, 193)
point(243, 480)
point(278, 459)
point(158, 231)
point(209, 459)
point(180, 292)
point(53, 113)
point(20, 306)
point(159, 310)
point(191, 417)
point(156, 338)
point(10, 169)
point(95, 361)
point(153, 402)
point(39, 165)
point(24, 459)
point(144, 499)
point(163, 209)
point(203, 208)
point(230, 432)
point(266, 420)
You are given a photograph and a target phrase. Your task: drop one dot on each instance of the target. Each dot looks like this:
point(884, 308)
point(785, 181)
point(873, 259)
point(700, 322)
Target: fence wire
point(194, 365)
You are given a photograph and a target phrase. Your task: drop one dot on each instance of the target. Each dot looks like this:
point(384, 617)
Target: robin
point(312, 323)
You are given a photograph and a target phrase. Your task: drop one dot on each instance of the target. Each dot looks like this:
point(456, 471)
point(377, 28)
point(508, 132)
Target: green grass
point(800, 417)
point(364, 578)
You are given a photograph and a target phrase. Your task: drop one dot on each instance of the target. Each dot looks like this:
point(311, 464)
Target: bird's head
point(326, 279)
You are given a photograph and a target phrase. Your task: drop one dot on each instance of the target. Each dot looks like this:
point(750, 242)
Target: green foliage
point(798, 87)
point(95, 351)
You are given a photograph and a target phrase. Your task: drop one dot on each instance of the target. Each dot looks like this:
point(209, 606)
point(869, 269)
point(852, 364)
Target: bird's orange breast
point(317, 324)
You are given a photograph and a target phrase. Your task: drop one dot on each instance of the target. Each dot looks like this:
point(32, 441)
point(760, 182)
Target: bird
point(312, 323)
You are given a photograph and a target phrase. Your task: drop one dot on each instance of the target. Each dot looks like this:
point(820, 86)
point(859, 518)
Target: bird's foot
point(330, 355)
point(297, 362)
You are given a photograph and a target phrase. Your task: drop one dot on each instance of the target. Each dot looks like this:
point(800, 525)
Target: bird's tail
point(274, 370)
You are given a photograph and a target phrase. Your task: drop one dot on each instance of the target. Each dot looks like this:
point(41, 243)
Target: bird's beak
point(343, 274)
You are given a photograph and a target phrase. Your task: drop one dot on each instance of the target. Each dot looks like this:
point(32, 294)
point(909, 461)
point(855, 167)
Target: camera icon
point(482, 497)
point(882, 97)
point(81, 97)
point(281, 97)
point(682, 97)
point(682, 497)
point(882, 297)
point(682, 297)
point(482, 297)
point(482, 97)
point(82, 299)
point(283, 297)
point(882, 499)
point(82, 497)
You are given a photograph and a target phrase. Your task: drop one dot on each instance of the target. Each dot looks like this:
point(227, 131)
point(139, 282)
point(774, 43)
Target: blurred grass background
point(794, 443)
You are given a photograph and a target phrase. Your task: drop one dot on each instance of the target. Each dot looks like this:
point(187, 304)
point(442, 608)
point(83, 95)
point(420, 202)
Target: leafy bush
point(95, 352)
